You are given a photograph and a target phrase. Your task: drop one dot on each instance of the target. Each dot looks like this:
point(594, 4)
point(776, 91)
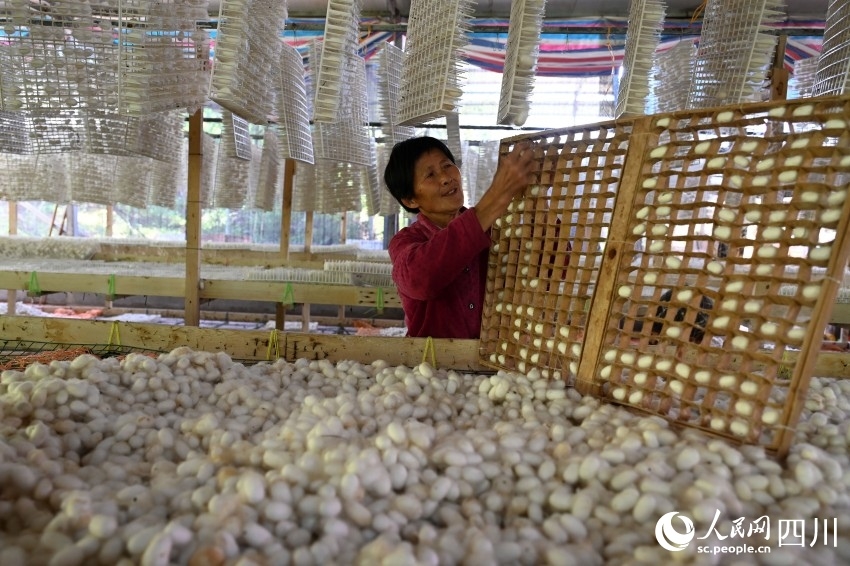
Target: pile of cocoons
point(192, 458)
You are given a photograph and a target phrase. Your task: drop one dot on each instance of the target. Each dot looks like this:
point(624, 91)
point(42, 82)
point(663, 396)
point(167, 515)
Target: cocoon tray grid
point(647, 264)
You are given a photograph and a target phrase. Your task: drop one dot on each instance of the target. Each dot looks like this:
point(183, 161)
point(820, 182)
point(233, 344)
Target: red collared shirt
point(440, 275)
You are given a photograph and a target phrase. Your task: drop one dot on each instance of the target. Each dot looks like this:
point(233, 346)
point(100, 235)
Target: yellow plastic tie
point(379, 301)
point(288, 296)
point(699, 10)
point(429, 346)
point(114, 333)
point(274, 342)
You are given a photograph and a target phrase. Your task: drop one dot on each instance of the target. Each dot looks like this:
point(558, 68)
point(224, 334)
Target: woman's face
point(437, 187)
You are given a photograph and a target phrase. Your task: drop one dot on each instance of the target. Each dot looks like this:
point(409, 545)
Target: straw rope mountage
point(646, 20)
point(35, 177)
point(332, 81)
point(520, 60)
point(802, 82)
point(833, 72)
point(387, 204)
point(163, 56)
point(544, 262)
point(248, 45)
point(235, 178)
point(293, 113)
point(725, 251)
point(734, 53)
point(269, 178)
point(342, 185)
point(15, 138)
point(347, 139)
point(390, 64)
point(671, 78)
point(430, 81)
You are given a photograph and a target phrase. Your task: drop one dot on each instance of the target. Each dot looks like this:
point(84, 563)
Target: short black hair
point(398, 174)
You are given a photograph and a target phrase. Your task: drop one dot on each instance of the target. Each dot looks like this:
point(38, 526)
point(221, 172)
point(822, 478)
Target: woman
point(440, 261)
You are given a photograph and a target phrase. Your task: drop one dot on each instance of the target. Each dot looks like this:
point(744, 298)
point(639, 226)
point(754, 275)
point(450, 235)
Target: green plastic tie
point(34, 288)
point(111, 284)
point(379, 306)
point(288, 296)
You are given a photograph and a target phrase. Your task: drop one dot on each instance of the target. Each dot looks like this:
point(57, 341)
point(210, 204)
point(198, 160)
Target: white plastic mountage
point(520, 60)
point(646, 20)
point(833, 72)
point(293, 112)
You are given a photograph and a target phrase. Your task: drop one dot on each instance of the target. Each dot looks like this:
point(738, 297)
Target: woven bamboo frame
point(718, 237)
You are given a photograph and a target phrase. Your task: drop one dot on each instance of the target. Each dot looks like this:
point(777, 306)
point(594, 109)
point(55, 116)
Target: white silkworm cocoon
point(650, 278)
point(770, 416)
point(803, 110)
point(725, 116)
point(742, 161)
point(749, 388)
point(662, 122)
point(251, 487)
point(767, 252)
point(619, 393)
point(576, 350)
point(663, 211)
point(720, 322)
point(660, 230)
point(673, 262)
point(702, 147)
point(830, 216)
point(642, 214)
point(769, 328)
point(777, 216)
point(702, 377)
point(835, 124)
point(658, 152)
point(676, 386)
point(727, 381)
point(715, 267)
point(740, 342)
point(656, 246)
point(753, 306)
point(796, 333)
point(718, 423)
point(820, 253)
point(772, 233)
point(610, 356)
point(727, 215)
point(836, 198)
point(739, 427)
point(664, 365)
point(736, 181)
point(640, 378)
point(625, 291)
point(743, 407)
point(716, 163)
point(683, 370)
point(645, 361)
point(636, 397)
point(753, 216)
point(639, 229)
point(788, 176)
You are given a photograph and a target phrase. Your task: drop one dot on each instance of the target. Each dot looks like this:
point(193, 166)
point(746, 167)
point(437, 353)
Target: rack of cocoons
point(672, 262)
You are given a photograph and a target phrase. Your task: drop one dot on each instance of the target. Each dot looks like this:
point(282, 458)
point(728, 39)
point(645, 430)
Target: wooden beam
point(308, 233)
point(110, 219)
point(253, 345)
point(193, 220)
point(343, 228)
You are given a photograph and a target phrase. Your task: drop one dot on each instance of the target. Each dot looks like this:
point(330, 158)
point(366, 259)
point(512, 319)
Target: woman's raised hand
point(516, 170)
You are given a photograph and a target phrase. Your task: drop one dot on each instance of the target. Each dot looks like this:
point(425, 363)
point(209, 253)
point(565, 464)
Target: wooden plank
point(193, 220)
point(253, 344)
point(604, 290)
point(95, 283)
point(302, 292)
point(449, 353)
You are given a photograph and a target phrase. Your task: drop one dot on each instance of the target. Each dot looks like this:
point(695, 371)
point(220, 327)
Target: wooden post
point(779, 74)
point(12, 294)
point(109, 220)
point(343, 228)
point(305, 317)
point(192, 309)
point(285, 229)
point(308, 233)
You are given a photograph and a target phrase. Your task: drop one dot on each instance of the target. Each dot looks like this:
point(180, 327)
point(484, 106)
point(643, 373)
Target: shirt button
point(471, 306)
point(466, 269)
